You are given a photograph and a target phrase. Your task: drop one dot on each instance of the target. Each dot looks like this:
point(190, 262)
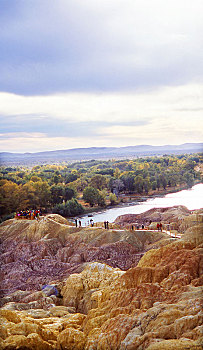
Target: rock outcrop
point(34, 253)
point(179, 217)
point(154, 305)
point(83, 291)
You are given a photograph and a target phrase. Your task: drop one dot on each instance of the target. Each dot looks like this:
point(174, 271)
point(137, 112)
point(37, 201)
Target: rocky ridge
point(179, 218)
point(155, 303)
point(34, 253)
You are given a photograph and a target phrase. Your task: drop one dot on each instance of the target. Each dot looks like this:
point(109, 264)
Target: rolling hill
point(79, 154)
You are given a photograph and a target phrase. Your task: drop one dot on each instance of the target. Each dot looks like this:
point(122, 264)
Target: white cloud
point(21, 135)
point(115, 107)
point(170, 115)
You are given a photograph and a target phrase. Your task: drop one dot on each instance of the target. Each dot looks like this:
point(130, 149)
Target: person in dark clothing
point(105, 225)
point(142, 227)
point(76, 223)
point(80, 224)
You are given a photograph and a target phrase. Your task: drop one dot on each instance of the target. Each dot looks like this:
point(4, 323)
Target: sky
point(77, 73)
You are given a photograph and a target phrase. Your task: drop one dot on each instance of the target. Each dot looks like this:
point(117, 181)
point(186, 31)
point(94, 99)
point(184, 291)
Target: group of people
point(28, 214)
point(106, 225)
point(133, 227)
point(137, 226)
point(78, 223)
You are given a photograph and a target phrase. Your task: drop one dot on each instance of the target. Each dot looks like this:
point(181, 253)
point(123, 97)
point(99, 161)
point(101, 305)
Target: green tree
point(56, 179)
point(57, 193)
point(69, 193)
point(117, 173)
point(147, 185)
point(139, 184)
point(189, 179)
point(69, 208)
point(101, 200)
point(154, 185)
point(158, 183)
point(112, 198)
point(70, 177)
point(90, 195)
point(163, 181)
point(129, 183)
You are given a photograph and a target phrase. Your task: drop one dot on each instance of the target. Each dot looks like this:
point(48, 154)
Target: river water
point(192, 199)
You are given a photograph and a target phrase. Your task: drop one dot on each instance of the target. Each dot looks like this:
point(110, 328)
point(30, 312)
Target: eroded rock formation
point(154, 305)
point(34, 253)
point(179, 217)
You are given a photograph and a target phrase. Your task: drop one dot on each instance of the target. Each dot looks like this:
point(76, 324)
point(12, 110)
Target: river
point(192, 199)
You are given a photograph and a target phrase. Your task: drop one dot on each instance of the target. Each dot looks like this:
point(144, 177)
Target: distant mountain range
point(79, 154)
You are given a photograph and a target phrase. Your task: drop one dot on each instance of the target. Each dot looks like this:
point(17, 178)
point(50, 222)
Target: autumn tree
point(9, 197)
point(112, 198)
point(28, 197)
point(43, 193)
point(98, 181)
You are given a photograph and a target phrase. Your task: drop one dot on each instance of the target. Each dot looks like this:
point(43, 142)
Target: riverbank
point(136, 198)
point(190, 198)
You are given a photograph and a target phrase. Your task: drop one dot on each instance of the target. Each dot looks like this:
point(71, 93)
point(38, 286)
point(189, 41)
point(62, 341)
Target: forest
point(74, 188)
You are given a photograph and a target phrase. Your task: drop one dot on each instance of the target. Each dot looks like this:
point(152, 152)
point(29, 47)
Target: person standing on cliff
point(105, 225)
point(76, 223)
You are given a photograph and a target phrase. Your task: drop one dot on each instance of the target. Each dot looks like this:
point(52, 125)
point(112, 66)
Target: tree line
point(63, 188)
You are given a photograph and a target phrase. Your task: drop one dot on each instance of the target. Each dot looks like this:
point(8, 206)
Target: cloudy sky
point(77, 73)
